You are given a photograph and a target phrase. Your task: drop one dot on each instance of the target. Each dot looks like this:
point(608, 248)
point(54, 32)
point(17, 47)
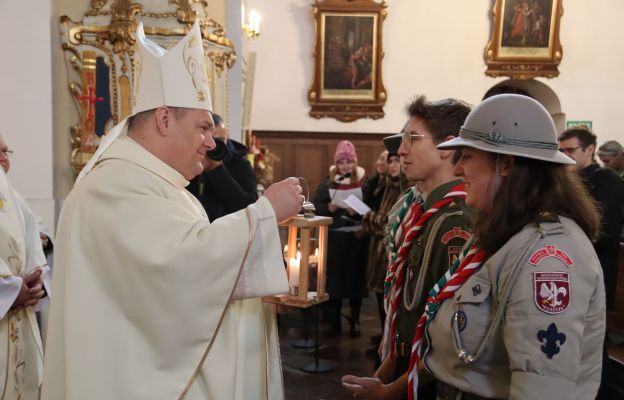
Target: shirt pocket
point(471, 319)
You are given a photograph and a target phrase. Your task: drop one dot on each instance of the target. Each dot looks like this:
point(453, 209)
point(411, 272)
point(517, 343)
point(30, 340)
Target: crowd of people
point(490, 245)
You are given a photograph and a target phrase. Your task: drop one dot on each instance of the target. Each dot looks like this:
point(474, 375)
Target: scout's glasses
point(409, 135)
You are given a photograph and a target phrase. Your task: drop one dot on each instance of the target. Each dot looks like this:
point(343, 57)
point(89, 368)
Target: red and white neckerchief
point(410, 228)
point(469, 263)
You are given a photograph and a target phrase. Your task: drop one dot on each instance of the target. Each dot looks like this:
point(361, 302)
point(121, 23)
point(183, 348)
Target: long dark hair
point(535, 191)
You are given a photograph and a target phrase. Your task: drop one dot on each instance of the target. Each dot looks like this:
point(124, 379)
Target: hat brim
point(554, 156)
point(392, 143)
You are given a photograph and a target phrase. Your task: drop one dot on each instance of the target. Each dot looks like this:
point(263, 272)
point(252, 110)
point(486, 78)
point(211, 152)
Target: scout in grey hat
point(524, 315)
point(511, 124)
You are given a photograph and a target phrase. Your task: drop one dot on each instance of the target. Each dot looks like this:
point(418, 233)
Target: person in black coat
point(228, 183)
point(607, 188)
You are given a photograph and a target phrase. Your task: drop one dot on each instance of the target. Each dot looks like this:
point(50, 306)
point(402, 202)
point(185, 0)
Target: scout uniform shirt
point(529, 324)
point(430, 256)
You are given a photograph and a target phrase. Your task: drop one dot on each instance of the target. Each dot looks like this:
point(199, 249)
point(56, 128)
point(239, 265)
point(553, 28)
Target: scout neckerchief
point(408, 225)
point(469, 263)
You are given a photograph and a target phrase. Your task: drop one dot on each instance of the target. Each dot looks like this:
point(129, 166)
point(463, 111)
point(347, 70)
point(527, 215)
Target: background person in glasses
point(228, 183)
point(23, 271)
point(44, 233)
point(441, 221)
point(607, 189)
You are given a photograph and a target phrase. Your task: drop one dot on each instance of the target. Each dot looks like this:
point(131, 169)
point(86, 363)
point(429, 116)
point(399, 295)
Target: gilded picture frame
point(348, 54)
point(524, 41)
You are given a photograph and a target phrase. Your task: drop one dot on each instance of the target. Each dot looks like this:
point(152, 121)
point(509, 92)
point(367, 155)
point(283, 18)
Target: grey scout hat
point(511, 124)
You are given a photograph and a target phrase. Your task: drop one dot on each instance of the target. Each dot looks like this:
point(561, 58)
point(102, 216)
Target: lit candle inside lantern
point(293, 273)
point(314, 258)
point(285, 250)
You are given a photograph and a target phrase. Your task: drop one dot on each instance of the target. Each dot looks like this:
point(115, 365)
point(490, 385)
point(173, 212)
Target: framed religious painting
point(525, 39)
point(347, 60)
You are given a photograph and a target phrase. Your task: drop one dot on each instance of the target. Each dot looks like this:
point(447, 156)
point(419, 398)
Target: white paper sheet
point(358, 205)
point(338, 197)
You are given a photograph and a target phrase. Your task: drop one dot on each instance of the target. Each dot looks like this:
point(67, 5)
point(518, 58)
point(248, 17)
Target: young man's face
point(190, 140)
point(419, 157)
point(572, 148)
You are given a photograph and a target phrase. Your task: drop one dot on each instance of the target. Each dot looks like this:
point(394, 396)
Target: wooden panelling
point(309, 154)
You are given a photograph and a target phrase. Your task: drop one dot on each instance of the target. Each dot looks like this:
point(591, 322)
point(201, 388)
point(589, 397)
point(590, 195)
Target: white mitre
point(175, 78)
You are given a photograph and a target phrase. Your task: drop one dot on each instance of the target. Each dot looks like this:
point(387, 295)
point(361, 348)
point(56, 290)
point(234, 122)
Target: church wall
point(436, 48)
point(26, 105)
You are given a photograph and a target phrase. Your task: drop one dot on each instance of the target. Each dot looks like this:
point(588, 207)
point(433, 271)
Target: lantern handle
point(309, 211)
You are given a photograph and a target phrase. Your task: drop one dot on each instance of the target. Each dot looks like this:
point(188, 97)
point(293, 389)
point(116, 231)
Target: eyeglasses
point(7, 153)
point(569, 150)
point(409, 135)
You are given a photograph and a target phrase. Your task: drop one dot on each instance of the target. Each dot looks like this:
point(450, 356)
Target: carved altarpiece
point(100, 60)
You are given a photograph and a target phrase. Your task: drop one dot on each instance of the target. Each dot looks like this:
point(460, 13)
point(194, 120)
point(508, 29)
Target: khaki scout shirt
point(533, 318)
point(430, 256)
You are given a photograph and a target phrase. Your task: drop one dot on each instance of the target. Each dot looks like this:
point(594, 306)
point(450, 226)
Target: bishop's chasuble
point(21, 352)
point(146, 305)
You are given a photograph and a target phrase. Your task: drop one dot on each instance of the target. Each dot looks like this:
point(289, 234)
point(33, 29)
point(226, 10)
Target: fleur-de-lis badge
point(550, 337)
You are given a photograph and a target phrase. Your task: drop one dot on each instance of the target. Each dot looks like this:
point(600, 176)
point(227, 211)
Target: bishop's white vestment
point(145, 290)
point(21, 351)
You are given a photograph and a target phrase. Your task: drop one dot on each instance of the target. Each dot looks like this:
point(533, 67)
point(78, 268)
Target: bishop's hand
point(285, 197)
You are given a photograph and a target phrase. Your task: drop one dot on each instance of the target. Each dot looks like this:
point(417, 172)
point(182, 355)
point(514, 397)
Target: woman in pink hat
point(346, 253)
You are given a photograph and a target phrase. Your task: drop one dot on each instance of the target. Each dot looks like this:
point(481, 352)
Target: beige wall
point(26, 100)
point(436, 48)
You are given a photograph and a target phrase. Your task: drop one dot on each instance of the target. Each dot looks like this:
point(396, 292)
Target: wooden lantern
point(300, 256)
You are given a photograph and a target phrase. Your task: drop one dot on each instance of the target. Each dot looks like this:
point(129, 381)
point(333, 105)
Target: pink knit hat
point(345, 151)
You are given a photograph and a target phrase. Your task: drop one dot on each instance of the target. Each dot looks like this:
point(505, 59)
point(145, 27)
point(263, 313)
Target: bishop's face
point(191, 140)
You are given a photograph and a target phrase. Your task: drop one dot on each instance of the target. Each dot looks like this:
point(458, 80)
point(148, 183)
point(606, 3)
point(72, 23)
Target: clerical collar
point(128, 149)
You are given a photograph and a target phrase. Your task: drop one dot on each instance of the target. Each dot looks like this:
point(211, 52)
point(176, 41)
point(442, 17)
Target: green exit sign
point(572, 124)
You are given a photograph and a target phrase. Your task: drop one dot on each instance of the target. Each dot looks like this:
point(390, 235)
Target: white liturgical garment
point(144, 283)
point(21, 352)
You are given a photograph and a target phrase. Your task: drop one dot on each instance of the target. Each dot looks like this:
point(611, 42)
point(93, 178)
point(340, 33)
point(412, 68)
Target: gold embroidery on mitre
point(196, 67)
point(137, 65)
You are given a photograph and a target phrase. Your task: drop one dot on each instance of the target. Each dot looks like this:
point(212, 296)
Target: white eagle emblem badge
point(552, 291)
